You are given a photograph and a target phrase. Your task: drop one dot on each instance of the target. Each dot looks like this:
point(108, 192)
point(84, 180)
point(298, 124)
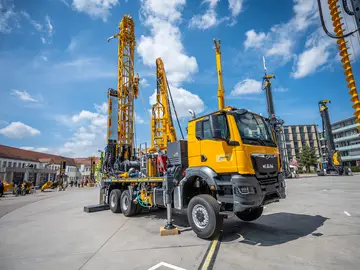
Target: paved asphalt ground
point(316, 227)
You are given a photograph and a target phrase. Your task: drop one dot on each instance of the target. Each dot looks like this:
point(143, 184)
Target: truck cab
point(233, 157)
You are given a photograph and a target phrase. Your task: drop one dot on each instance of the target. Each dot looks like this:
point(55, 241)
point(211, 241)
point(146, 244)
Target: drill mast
point(221, 91)
point(275, 122)
point(128, 87)
point(162, 126)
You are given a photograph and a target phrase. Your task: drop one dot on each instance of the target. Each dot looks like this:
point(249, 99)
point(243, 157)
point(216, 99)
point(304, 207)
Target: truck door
point(217, 154)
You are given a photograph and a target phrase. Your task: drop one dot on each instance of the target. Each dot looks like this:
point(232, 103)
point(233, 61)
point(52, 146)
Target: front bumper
point(249, 193)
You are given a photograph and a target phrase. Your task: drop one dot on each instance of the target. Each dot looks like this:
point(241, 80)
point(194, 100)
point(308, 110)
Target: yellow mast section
point(162, 126)
point(221, 91)
point(128, 86)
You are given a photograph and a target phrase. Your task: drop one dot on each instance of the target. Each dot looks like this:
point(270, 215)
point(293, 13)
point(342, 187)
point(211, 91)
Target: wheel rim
point(113, 200)
point(125, 203)
point(200, 216)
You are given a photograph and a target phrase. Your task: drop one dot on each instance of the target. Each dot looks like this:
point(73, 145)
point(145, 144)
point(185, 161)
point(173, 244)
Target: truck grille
point(268, 181)
point(266, 167)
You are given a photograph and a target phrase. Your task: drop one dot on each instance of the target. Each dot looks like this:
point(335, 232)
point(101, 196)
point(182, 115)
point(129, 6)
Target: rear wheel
point(115, 201)
point(203, 215)
point(250, 215)
point(128, 207)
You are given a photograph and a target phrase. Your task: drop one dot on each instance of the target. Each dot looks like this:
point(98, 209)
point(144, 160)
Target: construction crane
point(275, 122)
point(221, 91)
point(120, 152)
point(333, 165)
point(343, 45)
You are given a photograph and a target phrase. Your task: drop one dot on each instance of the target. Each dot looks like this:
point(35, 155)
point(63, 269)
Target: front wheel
point(250, 215)
point(203, 216)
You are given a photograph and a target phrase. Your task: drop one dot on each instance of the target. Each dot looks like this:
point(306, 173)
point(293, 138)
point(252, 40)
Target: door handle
point(203, 158)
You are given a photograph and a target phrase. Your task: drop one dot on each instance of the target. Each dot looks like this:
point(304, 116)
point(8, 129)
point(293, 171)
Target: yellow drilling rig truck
point(229, 164)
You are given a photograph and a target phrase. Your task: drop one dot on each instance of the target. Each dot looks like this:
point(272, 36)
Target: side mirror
point(215, 127)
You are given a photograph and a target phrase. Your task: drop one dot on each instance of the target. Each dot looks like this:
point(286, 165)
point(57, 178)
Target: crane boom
point(221, 91)
point(162, 126)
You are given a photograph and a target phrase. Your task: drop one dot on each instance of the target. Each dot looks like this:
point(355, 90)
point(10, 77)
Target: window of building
point(4, 164)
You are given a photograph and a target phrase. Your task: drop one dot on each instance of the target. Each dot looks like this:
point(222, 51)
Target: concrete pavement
point(308, 230)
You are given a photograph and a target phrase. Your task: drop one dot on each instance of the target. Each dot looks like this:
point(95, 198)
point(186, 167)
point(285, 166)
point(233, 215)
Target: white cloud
point(43, 40)
point(8, 17)
point(95, 8)
point(310, 60)
point(90, 134)
point(247, 86)
point(49, 25)
point(281, 39)
point(316, 54)
point(23, 95)
point(163, 9)
point(206, 20)
point(34, 23)
point(235, 7)
point(18, 130)
point(144, 83)
point(254, 40)
point(183, 100)
point(162, 17)
point(102, 108)
point(36, 149)
point(139, 119)
point(84, 115)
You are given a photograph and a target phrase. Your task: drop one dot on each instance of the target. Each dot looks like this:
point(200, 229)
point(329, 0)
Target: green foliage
point(355, 168)
point(307, 158)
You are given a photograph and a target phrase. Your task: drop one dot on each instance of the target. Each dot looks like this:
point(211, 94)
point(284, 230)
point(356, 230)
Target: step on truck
point(229, 165)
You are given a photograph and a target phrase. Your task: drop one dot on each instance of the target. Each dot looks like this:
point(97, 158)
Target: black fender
point(205, 173)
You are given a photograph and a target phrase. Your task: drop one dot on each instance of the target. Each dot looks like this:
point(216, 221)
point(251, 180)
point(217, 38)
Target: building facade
point(347, 140)
point(18, 165)
point(296, 136)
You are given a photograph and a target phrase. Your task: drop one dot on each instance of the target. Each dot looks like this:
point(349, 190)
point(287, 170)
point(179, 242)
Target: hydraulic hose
point(335, 17)
point(346, 8)
point(331, 12)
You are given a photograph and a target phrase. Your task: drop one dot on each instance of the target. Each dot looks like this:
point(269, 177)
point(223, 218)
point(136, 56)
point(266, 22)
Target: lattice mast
point(128, 87)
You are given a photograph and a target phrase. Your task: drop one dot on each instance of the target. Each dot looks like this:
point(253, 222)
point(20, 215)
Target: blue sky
point(56, 66)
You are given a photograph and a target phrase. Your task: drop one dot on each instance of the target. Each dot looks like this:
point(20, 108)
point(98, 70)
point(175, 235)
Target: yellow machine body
point(222, 157)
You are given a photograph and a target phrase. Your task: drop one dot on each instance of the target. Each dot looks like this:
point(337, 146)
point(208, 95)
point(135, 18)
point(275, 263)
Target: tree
point(307, 157)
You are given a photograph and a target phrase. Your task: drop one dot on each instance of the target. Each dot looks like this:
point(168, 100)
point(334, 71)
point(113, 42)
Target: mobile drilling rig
point(275, 121)
point(333, 163)
point(223, 168)
point(120, 151)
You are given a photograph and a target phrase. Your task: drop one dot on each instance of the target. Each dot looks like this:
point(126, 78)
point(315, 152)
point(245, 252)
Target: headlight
point(244, 190)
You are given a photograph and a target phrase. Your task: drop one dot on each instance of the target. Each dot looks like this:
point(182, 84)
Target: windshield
point(254, 129)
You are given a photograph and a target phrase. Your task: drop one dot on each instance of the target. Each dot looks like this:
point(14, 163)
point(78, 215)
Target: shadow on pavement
point(179, 218)
point(272, 229)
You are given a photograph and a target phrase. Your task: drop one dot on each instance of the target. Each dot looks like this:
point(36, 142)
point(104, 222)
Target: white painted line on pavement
point(167, 265)
point(347, 213)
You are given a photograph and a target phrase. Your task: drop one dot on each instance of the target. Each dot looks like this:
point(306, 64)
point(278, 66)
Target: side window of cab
point(203, 131)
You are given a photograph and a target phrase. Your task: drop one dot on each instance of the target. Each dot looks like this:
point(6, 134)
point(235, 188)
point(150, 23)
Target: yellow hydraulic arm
point(221, 91)
point(162, 126)
point(128, 86)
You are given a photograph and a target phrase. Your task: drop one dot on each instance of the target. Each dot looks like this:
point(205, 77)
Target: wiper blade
point(255, 139)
